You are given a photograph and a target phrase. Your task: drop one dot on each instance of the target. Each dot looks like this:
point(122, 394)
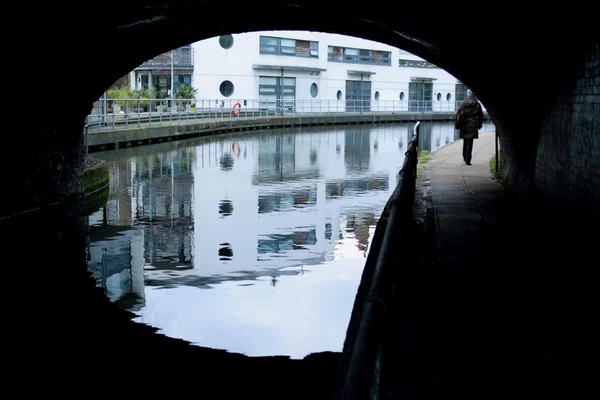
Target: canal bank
point(95, 184)
point(140, 133)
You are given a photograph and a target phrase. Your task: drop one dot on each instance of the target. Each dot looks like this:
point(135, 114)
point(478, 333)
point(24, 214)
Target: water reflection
point(277, 225)
point(357, 149)
point(225, 208)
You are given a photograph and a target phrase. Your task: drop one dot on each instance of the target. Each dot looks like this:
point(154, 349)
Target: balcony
point(183, 59)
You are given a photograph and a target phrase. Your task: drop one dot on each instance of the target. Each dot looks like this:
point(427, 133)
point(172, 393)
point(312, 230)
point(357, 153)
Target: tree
point(185, 92)
point(147, 93)
point(119, 95)
point(123, 96)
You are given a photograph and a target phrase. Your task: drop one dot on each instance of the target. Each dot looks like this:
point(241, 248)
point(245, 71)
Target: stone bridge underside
point(536, 70)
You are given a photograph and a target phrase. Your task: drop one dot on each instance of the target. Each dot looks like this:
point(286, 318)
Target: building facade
point(176, 65)
point(301, 71)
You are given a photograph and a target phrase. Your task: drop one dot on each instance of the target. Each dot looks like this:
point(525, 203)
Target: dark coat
point(469, 118)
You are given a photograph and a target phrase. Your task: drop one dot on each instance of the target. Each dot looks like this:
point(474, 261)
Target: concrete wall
point(95, 176)
point(99, 140)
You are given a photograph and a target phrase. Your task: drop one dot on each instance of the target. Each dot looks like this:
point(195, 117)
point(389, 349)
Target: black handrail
point(360, 380)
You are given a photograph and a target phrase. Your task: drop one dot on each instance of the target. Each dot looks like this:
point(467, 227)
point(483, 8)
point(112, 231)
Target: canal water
point(252, 242)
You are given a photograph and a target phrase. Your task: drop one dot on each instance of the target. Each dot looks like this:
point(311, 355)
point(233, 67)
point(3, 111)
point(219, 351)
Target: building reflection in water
point(357, 149)
point(360, 224)
point(146, 223)
point(225, 208)
point(116, 262)
point(237, 208)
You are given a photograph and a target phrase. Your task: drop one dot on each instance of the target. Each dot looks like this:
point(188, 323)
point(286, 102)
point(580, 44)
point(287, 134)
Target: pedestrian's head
point(469, 92)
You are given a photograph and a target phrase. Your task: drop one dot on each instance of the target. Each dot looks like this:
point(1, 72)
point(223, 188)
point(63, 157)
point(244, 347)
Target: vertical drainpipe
point(281, 94)
point(361, 93)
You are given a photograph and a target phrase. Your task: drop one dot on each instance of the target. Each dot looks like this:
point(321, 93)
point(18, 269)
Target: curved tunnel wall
point(539, 84)
point(567, 162)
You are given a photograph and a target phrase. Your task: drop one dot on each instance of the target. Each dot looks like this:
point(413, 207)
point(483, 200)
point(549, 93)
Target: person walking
point(469, 119)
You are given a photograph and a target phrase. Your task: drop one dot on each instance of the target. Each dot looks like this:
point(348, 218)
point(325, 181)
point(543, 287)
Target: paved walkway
point(499, 299)
point(436, 337)
point(466, 198)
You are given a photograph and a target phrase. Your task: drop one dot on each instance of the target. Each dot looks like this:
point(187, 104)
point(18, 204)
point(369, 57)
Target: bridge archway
point(496, 53)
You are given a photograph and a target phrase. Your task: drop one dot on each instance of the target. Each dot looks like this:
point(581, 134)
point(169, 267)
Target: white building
point(303, 71)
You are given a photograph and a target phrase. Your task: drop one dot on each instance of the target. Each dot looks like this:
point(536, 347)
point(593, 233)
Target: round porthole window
point(226, 41)
point(314, 90)
point(226, 88)
point(401, 96)
point(448, 97)
point(377, 96)
point(439, 96)
point(339, 94)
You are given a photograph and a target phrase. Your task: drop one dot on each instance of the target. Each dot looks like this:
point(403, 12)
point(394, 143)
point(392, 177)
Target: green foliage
point(120, 93)
point(493, 170)
point(421, 161)
point(493, 166)
point(142, 94)
point(185, 92)
point(124, 96)
point(95, 177)
point(424, 156)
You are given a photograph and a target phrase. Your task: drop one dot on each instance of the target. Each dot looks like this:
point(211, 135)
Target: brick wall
point(568, 154)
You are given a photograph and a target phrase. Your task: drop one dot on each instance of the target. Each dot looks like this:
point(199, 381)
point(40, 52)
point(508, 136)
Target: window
point(401, 96)
point(335, 53)
point(439, 97)
point(460, 93)
point(269, 45)
point(276, 92)
point(226, 41)
point(365, 56)
point(359, 56)
point(358, 96)
point(448, 97)
point(226, 88)
point(415, 64)
point(351, 55)
point(339, 94)
point(314, 49)
point(420, 96)
point(314, 90)
point(377, 57)
point(290, 47)
point(377, 96)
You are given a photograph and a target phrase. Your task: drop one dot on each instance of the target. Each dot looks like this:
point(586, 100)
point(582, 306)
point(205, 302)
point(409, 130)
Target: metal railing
point(361, 381)
point(180, 57)
point(119, 113)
